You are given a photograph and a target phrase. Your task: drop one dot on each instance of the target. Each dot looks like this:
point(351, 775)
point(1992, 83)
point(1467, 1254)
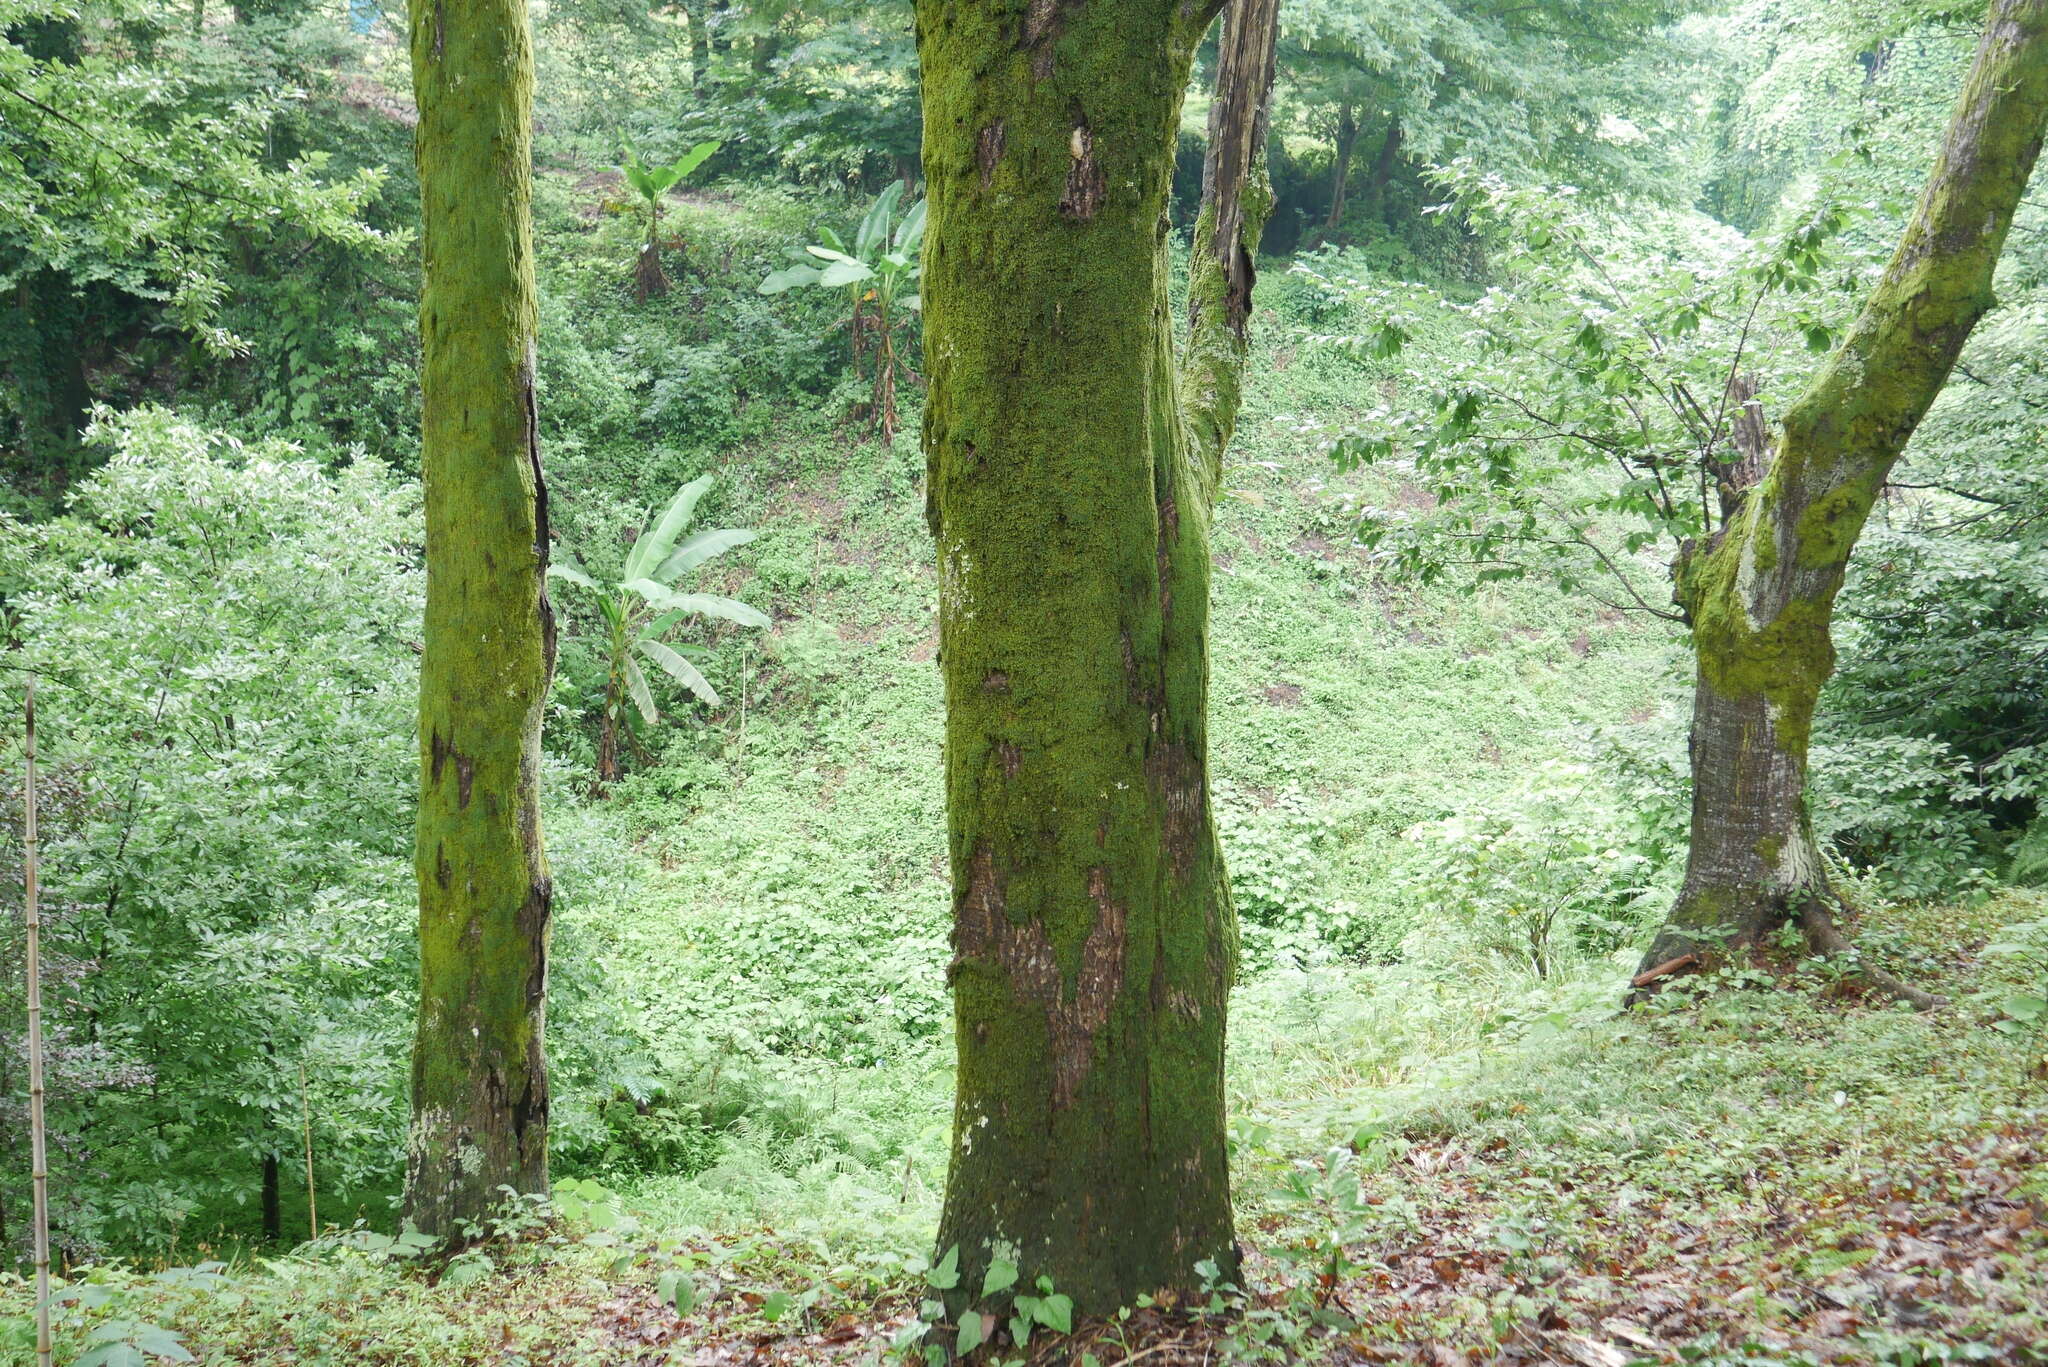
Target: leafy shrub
point(1551, 873)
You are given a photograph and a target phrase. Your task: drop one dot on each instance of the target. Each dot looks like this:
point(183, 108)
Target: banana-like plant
point(643, 605)
point(878, 270)
point(651, 183)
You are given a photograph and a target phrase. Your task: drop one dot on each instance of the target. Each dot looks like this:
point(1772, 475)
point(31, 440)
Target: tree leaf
point(788, 278)
point(972, 1332)
point(711, 605)
point(874, 229)
point(655, 544)
point(698, 549)
point(845, 273)
point(1001, 1276)
point(636, 684)
point(692, 159)
point(912, 231)
point(571, 571)
point(679, 669)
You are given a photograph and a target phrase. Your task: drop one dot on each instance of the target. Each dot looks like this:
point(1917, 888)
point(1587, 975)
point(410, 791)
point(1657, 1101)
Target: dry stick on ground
point(1759, 594)
point(39, 1168)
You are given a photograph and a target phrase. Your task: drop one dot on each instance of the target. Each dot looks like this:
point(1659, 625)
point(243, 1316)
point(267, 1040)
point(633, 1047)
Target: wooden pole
point(39, 1169)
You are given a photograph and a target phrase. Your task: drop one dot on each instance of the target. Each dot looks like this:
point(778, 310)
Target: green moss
point(480, 1097)
point(1070, 497)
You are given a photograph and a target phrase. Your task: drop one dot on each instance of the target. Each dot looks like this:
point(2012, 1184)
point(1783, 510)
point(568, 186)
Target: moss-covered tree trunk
point(1073, 463)
point(1761, 592)
point(479, 1084)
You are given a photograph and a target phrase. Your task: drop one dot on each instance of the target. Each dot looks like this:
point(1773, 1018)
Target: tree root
point(1830, 943)
point(1817, 924)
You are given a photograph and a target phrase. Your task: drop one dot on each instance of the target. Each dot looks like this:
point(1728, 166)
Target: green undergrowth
point(1759, 1172)
point(783, 946)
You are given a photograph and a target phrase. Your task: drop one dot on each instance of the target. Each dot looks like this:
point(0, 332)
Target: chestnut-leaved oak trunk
point(1760, 593)
point(1074, 455)
point(479, 1074)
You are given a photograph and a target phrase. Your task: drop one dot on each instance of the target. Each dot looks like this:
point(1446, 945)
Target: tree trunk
point(1383, 171)
point(273, 1216)
point(1761, 592)
point(46, 356)
point(1073, 464)
point(479, 1078)
point(1340, 169)
point(700, 42)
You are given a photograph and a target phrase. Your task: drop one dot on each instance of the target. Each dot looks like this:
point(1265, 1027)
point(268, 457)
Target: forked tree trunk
point(1760, 594)
point(1073, 463)
point(479, 1076)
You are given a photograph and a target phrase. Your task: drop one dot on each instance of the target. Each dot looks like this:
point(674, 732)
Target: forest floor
point(1766, 1175)
point(1763, 1174)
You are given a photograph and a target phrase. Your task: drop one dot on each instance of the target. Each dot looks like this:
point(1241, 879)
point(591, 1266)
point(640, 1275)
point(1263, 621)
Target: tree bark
point(700, 42)
point(1073, 463)
point(479, 1078)
point(1340, 170)
point(1383, 171)
point(273, 1218)
point(1761, 592)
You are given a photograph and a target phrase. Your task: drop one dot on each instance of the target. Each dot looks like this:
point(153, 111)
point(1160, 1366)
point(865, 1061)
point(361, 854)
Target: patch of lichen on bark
point(480, 1097)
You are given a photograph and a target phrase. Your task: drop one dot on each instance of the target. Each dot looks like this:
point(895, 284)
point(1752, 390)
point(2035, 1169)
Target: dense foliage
point(1518, 253)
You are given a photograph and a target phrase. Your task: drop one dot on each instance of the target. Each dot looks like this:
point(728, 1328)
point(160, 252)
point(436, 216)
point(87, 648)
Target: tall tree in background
point(479, 1084)
point(1073, 464)
point(1760, 593)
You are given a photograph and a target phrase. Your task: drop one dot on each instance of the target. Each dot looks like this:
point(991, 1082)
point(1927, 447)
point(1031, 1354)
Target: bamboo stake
point(39, 1169)
point(306, 1122)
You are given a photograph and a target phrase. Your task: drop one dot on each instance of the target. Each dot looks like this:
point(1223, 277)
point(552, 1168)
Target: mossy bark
point(1073, 462)
point(479, 1081)
point(1761, 592)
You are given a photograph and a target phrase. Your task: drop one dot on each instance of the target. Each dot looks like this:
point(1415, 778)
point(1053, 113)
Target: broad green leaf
point(912, 231)
point(655, 628)
point(2023, 1007)
point(711, 605)
point(571, 571)
point(698, 549)
point(788, 278)
point(1001, 1277)
point(679, 669)
point(775, 1306)
point(874, 229)
point(946, 1275)
point(636, 685)
point(689, 161)
point(830, 254)
point(845, 273)
point(654, 545)
point(1057, 1313)
point(972, 1332)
